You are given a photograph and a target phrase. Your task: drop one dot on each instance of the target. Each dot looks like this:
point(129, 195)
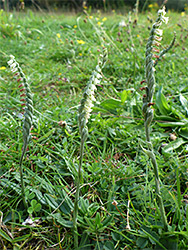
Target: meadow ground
point(117, 206)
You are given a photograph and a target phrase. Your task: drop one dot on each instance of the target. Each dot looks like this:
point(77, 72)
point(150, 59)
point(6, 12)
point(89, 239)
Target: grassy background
point(58, 53)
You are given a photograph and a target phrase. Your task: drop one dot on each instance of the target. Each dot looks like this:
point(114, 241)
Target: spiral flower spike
point(148, 113)
point(84, 112)
point(27, 102)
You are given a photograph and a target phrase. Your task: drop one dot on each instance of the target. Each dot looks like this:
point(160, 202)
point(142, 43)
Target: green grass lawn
point(117, 206)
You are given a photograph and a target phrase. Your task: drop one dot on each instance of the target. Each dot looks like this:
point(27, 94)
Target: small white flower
point(122, 23)
point(97, 75)
point(158, 32)
point(14, 70)
point(10, 61)
point(155, 43)
point(96, 81)
point(165, 19)
point(13, 65)
point(92, 88)
point(162, 11)
point(157, 38)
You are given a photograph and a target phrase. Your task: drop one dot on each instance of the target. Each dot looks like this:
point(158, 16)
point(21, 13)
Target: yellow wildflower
point(59, 74)
point(150, 5)
point(104, 19)
point(2, 68)
point(90, 17)
point(80, 54)
point(80, 42)
point(138, 35)
point(99, 23)
point(58, 35)
point(75, 26)
point(182, 13)
point(85, 7)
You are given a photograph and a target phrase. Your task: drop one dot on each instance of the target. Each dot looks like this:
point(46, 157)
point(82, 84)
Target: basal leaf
point(111, 104)
point(184, 132)
point(124, 95)
point(174, 145)
point(166, 118)
point(5, 236)
point(109, 245)
point(97, 220)
point(51, 201)
point(184, 103)
point(171, 124)
point(62, 221)
point(141, 242)
point(107, 221)
point(162, 103)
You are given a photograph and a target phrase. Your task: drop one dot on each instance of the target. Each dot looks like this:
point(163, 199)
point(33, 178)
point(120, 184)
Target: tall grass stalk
point(27, 103)
point(84, 112)
point(148, 112)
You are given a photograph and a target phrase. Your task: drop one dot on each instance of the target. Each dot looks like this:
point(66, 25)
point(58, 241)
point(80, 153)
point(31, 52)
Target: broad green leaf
point(71, 167)
point(116, 236)
point(51, 201)
point(164, 107)
point(90, 223)
point(107, 221)
point(62, 221)
point(40, 196)
point(141, 242)
point(184, 103)
point(111, 104)
point(66, 205)
point(184, 132)
point(109, 245)
point(84, 205)
point(153, 237)
point(171, 124)
point(170, 242)
point(84, 242)
point(98, 220)
point(124, 95)
point(166, 118)
point(162, 103)
point(184, 234)
point(5, 236)
point(22, 238)
point(174, 145)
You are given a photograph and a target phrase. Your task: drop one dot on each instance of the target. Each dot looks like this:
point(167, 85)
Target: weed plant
point(117, 206)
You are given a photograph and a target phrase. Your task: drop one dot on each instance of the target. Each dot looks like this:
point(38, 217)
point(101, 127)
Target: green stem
point(147, 131)
point(21, 176)
point(157, 179)
point(77, 196)
point(158, 193)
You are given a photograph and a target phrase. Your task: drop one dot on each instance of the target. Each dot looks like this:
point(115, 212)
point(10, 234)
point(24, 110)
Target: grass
point(58, 54)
